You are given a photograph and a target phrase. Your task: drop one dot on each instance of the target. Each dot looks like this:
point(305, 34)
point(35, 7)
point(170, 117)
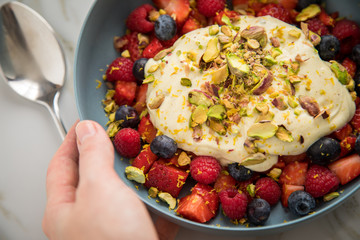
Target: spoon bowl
point(31, 58)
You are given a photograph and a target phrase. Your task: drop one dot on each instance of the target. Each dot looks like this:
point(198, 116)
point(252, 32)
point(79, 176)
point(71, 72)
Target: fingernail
point(84, 130)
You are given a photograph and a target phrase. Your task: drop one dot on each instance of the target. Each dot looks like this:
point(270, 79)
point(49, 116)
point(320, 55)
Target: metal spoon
point(31, 58)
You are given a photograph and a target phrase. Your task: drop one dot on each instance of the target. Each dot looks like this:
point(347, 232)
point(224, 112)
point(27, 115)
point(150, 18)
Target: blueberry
point(301, 203)
point(258, 211)
point(165, 27)
point(355, 54)
point(128, 116)
point(324, 151)
point(163, 146)
point(304, 3)
point(138, 69)
point(239, 172)
point(329, 47)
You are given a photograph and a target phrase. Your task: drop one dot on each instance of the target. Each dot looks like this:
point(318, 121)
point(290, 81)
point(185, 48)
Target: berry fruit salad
point(251, 104)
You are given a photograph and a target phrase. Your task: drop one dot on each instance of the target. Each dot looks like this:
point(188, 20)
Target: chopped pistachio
point(284, 135)
point(166, 197)
point(310, 105)
point(262, 130)
point(275, 41)
point(217, 126)
point(149, 79)
point(227, 21)
point(253, 159)
point(237, 65)
point(110, 106)
point(262, 108)
point(255, 32)
point(275, 52)
point(217, 111)
point(219, 75)
point(294, 33)
point(157, 101)
point(294, 79)
point(160, 55)
point(226, 30)
point(269, 61)
point(265, 117)
point(212, 50)
point(191, 56)
point(309, 12)
point(253, 43)
point(186, 82)
point(250, 188)
point(250, 146)
point(224, 40)
point(135, 174)
point(199, 98)
point(183, 159)
point(112, 129)
point(314, 38)
point(340, 72)
point(331, 196)
point(292, 102)
point(153, 192)
point(125, 54)
point(275, 173)
point(214, 29)
point(279, 103)
point(153, 68)
point(199, 115)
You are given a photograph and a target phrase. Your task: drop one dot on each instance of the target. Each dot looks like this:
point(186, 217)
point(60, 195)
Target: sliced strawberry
point(209, 195)
point(347, 145)
point(280, 164)
point(140, 98)
point(166, 178)
point(179, 9)
point(153, 48)
point(294, 173)
point(286, 190)
point(199, 17)
point(125, 92)
point(194, 207)
point(343, 132)
point(292, 158)
point(346, 168)
point(145, 159)
point(146, 129)
point(224, 181)
point(190, 25)
point(232, 15)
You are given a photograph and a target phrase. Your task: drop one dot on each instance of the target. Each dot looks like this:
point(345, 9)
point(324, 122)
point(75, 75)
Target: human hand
point(86, 199)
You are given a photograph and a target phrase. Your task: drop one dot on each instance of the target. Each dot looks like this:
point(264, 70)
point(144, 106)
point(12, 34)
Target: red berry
point(294, 173)
point(209, 195)
point(145, 159)
point(138, 19)
point(205, 169)
point(209, 8)
point(267, 189)
point(129, 42)
point(224, 181)
point(190, 25)
point(317, 26)
point(194, 207)
point(127, 142)
point(125, 92)
point(233, 203)
point(153, 48)
point(146, 129)
point(120, 70)
point(232, 15)
point(276, 11)
point(350, 66)
point(180, 9)
point(343, 132)
point(347, 145)
point(320, 181)
point(355, 121)
point(346, 168)
point(348, 33)
point(140, 98)
point(286, 190)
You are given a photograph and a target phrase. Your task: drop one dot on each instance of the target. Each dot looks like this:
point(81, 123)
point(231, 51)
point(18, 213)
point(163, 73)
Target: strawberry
point(276, 11)
point(343, 132)
point(145, 159)
point(326, 18)
point(224, 181)
point(348, 33)
point(190, 25)
point(146, 129)
point(233, 203)
point(209, 195)
point(320, 181)
point(152, 49)
point(355, 121)
point(209, 8)
point(288, 4)
point(169, 43)
point(267, 189)
point(199, 17)
point(124, 92)
point(205, 169)
point(129, 42)
point(286, 190)
point(292, 158)
point(347, 145)
point(138, 19)
point(127, 142)
point(232, 15)
point(294, 173)
point(350, 66)
point(140, 98)
point(166, 178)
point(194, 207)
point(120, 70)
point(346, 168)
point(179, 9)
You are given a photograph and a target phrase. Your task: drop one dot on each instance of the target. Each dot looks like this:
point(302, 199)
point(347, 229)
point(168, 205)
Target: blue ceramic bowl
point(95, 51)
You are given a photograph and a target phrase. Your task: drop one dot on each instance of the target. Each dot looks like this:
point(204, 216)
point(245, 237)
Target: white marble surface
point(28, 139)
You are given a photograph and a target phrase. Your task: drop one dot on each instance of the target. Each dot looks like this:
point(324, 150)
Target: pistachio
point(255, 32)
point(191, 56)
point(125, 54)
point(214, 29)
point(284, 135)
point(153, 68)
point(269, 61)
point(135, 174)
point(160, 55)
point(199, 115)
point(149, 79)
point(226, 30)
point(143, 40)
point(293, 79)
point(294, 67)
point(309, 12)
point(220, 75)
point(253, 159)
point(217, 126)
point(183, 159)
point(166, 197)
point(227, 21)
point(305, 29)
point(275, 41)
point(310, 105)
point(265, 79)
point(263, 108)
point(262, 130)
point(275, 52)
point(153, 192)
point(212, 50)
point(251, 189)
point(265, 117)
point(294, 33)
point(217, 111)
point(197, 133)
point(250, 146)
point(340, 72)
point(186, 82)
point(227, 104)
point(253, 43)
point(237, 65)
point(199, 98)
point(275, 173)
point(224, 39)
point(279, 103)
point(330, 196)
point(157, 101)
point(292, 103)
point(314, 38)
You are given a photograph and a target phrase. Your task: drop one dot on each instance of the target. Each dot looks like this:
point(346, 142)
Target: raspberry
point(205, 169)
point(350, 66)
point(129, 42)
point(209, 8)
point(276, 11)
point(355, 121)
point(320, 181)
point(127, 142)
point(233, 203)
point(348, 32)
point(137, 20)
point(347, 145)
point(317, 26)
point(120, 70)
point(267, 189)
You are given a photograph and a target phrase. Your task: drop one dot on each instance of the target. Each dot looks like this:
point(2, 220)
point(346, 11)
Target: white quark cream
point(303, 102)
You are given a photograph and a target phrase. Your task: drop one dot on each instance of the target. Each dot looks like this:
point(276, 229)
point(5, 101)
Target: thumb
point(96, 152)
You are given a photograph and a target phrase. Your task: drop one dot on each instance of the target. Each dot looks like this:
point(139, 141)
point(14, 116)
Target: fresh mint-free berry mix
point(257, 102)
